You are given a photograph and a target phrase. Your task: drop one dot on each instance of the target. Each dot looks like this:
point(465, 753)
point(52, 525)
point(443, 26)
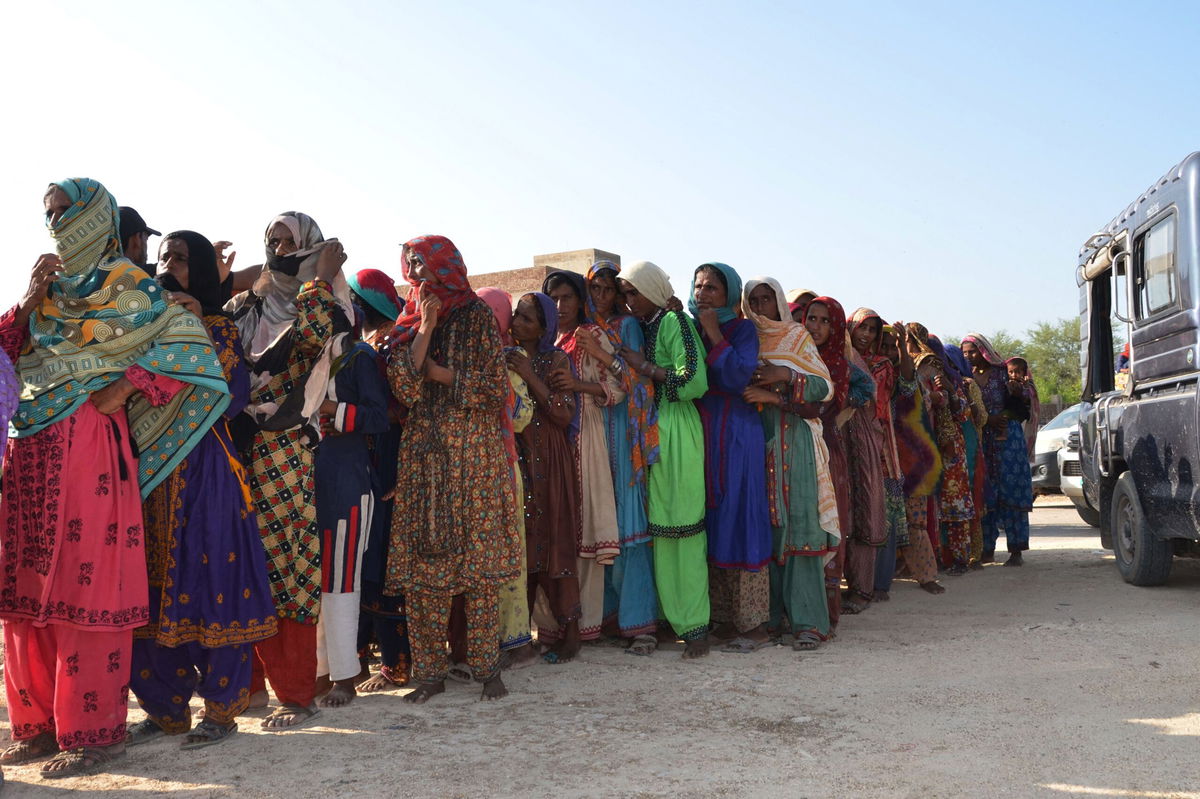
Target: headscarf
point(453, 289)
point(577, 283)
point(650, 281)
point(500, 301)
point(954, 353)
point(102, 317)
point(789, 344)
point(377, 290)
point(1035, 404)
point(783, 342)
point(641, 431)
point(266, 314)
point(833, 351)
point(985, 348)
point(204, 280)
point(884, 373)
point(918, 334)
point(794, 295)
point(948, 367)
point(547, 343)
point(733, 292)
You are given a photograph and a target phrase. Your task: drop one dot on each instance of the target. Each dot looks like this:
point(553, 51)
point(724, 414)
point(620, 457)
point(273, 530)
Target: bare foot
point(493, 689)
point(565, 649)
point(383, 680)
point(882, 596)
point(340, 695)
point(424, 690)
point(1015, 559)
point(324, 685)
point(289, 716)
point(934, 587)
point(665, 635)
point(696, 648)
point(520, 658)
point(724, 632)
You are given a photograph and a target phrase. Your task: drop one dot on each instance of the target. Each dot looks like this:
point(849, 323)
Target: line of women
point(208, 492)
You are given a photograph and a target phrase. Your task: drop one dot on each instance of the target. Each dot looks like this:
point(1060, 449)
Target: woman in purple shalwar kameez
point(209, 595)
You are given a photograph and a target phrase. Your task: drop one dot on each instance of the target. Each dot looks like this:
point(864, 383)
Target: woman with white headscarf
point(288, 322)
point(673, 358)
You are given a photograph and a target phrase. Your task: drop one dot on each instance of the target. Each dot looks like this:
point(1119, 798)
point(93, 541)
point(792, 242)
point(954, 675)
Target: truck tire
point(1090, 515)
point(1142, 557)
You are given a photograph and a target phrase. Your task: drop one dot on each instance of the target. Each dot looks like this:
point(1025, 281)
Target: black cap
point(132, 222)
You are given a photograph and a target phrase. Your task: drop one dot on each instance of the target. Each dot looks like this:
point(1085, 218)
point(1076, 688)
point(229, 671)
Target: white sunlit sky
point(940, 162)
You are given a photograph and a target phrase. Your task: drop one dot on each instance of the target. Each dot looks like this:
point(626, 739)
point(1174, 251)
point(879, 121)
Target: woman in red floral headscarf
point(454, 528)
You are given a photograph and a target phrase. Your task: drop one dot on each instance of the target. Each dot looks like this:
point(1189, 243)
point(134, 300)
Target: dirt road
point(1056, 679)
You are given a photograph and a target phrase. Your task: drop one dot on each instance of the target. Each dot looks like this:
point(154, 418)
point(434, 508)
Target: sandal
point(806, 641)
point(643, 646)
point(306, 714)
point(39, 746)
point(144, 731)
point(745, 646)
point(77, 762)
point(208, 733)
point(462, 673)
point(852, 607)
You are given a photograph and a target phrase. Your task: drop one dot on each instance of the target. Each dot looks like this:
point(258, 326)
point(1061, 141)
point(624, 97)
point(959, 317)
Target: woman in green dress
point(788, 387)
point(673, 358)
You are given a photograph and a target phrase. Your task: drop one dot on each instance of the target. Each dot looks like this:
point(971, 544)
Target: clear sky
point(940, 162)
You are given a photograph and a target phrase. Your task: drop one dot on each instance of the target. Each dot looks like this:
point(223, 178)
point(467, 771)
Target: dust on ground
point(1056, 679)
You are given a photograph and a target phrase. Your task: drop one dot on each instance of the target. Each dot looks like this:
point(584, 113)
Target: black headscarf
point(204, 280)
point(576, 281)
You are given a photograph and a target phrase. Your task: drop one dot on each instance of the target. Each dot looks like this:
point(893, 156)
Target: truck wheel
point(1142, 558)
point(1090, 515)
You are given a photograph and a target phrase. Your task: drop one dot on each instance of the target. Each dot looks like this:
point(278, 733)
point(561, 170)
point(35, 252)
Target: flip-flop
point(745, 646)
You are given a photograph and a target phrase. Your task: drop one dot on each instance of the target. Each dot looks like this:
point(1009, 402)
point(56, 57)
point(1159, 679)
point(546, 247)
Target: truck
point(1139, 429)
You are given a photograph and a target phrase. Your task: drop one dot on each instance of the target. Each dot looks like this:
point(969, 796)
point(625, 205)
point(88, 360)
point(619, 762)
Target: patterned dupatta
point(102, 317)
point(642, 413)
point(453, 289)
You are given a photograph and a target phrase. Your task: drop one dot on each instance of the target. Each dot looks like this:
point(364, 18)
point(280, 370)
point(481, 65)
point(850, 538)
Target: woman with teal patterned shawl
point(104, 362)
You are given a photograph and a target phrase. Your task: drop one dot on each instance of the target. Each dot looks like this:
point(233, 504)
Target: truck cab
point(1140, 429)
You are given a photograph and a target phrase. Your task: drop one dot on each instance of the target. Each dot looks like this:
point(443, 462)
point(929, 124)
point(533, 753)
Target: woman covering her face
point(203, 621)
point(103, 361)
point(447, 369)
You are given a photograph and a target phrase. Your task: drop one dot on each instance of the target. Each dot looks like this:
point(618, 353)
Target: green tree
point(1052, 350)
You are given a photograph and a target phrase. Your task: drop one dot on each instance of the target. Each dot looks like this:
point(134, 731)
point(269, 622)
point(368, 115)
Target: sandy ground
point(1056, 679)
